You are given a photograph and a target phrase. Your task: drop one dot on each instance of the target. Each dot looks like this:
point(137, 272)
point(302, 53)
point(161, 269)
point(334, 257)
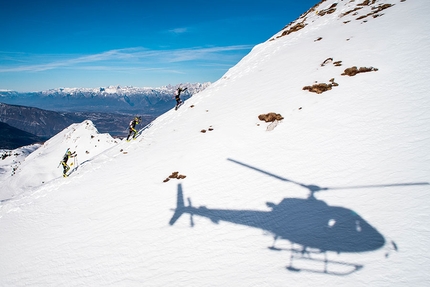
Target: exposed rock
point(270, 117)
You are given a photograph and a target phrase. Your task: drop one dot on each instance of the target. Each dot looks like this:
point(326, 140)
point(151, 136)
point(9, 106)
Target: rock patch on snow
point(176, 175)
point(320, 88)
point(270, 117)
point(354, 70)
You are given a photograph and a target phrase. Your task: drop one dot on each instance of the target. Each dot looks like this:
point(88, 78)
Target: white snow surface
point(12, 159)
point(363, 146)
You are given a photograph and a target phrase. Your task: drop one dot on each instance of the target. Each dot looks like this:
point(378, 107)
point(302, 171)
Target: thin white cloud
point(178, 31)
point(211, 53)
point(129, 57)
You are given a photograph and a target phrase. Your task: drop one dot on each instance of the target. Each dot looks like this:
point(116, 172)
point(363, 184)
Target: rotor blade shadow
point(380, 185)
point(315, 188)
point(262, 171)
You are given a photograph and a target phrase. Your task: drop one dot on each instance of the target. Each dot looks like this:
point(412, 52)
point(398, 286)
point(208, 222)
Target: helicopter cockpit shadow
point(312, 224)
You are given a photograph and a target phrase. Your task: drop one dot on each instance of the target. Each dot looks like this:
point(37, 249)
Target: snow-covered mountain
point(11, 160)
point(103, 99)
point(82, 138)
point(335, 192)
point(46, 124)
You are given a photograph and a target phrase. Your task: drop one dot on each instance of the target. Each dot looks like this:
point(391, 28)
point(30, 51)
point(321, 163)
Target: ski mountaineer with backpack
point(178, 92)
point(66, 157)
point(131, 127)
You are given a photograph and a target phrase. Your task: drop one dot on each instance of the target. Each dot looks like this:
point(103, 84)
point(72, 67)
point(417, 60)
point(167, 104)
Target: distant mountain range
point(44, 114)
point(45, 124)
point(112, 99)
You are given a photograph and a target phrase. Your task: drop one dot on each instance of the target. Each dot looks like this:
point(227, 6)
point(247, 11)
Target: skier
point(132, 126)
point(178, 92)
point(66, 157)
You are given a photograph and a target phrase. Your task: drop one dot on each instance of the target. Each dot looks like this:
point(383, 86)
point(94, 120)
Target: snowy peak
point(11, 159)
point(103, 99)
point(82, 137)
point(42, 165)
point(344, 11)
point(125, 90)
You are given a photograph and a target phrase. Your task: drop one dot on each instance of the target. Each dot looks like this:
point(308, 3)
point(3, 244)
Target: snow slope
point(43, 165)
point(353, 162)
point(11, 159)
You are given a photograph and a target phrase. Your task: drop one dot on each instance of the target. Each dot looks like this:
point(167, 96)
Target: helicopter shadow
point(311, 224)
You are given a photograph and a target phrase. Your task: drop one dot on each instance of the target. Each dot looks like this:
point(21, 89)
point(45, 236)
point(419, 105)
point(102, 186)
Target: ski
point(75, 165)
point(178, 106)
point(69, 173)
point(63, 157)
point(141, 130)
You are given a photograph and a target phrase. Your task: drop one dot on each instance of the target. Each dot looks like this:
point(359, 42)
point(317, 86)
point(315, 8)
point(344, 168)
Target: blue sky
point(48, 44)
